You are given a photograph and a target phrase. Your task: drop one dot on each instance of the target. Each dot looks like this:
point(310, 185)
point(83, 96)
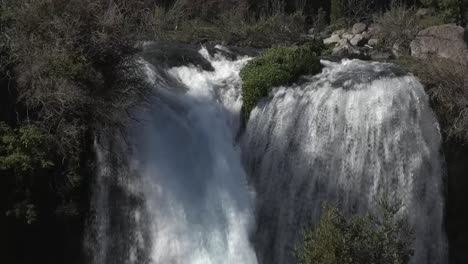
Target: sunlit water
point(356, 133)
point(174, 189)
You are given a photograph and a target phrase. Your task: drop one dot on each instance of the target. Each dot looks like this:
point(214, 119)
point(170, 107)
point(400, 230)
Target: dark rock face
point(445, 41)
point(456, 156)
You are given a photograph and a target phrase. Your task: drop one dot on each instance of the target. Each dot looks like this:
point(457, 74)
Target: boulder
point(347, 36)
point(445, 41)
point(359, 28)
point(358, 40)
point(331, 40)
point(344, 48)
point(373, 42)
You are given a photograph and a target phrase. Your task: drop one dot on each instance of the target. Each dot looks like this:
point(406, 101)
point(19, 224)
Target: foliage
point(446, 82)
point(453, 11)
point(399, 25)
point(73, 64)
point(71, 69)
point(348, 12)
point(233, 26)
point(23, 149)
point(274, 67)
point(337, 10)
point(338, 239)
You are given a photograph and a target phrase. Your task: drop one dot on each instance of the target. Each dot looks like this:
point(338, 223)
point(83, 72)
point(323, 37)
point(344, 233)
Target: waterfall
point(177, 188)
point(350, 135)
point(197, 206)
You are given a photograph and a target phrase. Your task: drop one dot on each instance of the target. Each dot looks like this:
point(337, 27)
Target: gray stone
point(359, 28)
point(445, 41)
point(331, 40)
point(358, 40)
point(347, 36)
point(344, 48)
point(373, 42)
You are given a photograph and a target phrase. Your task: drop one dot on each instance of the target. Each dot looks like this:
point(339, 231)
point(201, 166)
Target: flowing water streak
point(196, 190)
point(352, 134)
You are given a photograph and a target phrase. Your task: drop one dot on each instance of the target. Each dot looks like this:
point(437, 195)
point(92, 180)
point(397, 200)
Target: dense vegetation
point(375, 238)
point(68, 74)
point(275, 67)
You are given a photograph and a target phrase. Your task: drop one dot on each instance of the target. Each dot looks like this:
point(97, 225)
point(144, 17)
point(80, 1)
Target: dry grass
point(223, 22)
point(399, 25)
point(446, 82)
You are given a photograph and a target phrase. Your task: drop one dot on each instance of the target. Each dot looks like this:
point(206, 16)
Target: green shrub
point(24, 154)
point(338, 239)
point(275, 67)
point(23, 149)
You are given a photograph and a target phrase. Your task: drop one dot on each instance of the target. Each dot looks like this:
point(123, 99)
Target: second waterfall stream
point(181, 188)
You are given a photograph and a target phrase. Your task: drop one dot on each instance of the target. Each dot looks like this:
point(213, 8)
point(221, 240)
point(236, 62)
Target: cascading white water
point(197, 206)
point(179, 195)
point(352, 134)
point(196, 186)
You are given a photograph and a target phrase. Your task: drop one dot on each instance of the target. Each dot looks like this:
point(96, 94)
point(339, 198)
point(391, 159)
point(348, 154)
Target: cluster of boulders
point(363, 41)
point(359, 41)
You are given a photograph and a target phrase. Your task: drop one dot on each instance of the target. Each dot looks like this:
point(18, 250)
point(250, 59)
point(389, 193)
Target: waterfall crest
point(350, 135)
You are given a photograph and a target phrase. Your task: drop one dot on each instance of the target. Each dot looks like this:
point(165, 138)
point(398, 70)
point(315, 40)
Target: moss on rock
point(275, 67)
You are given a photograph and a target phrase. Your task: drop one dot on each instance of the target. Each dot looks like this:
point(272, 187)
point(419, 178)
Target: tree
point(337, 239)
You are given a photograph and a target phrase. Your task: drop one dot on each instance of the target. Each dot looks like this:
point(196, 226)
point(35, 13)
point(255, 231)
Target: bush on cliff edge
point(275, 67)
